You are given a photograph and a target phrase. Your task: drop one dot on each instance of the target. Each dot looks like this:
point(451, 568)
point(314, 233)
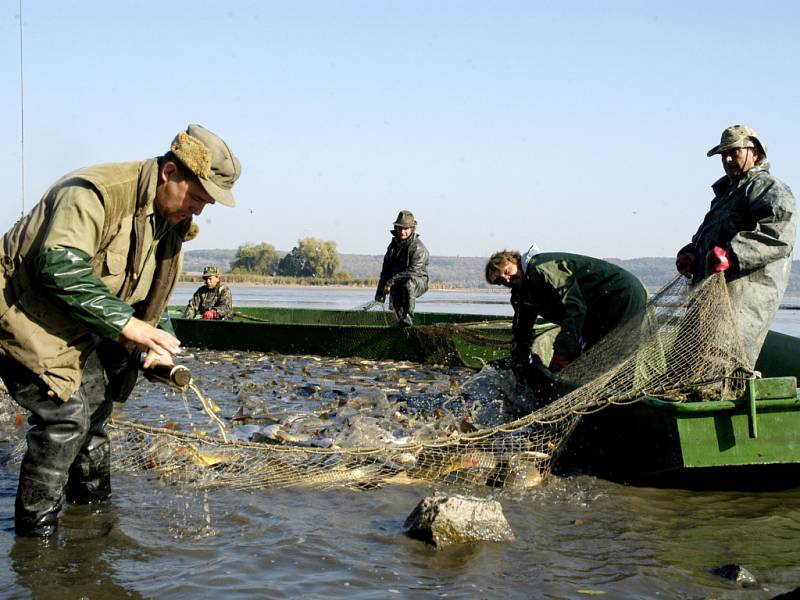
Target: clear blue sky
point(582, 126)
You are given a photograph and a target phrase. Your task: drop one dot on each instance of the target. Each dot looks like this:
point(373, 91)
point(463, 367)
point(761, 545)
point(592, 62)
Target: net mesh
point(436, 338)
point(683, 347)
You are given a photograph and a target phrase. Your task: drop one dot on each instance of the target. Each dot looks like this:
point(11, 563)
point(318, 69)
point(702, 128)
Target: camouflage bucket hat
point(210, 270)
point(405, 218)
point(209, 157)
point(738, 136)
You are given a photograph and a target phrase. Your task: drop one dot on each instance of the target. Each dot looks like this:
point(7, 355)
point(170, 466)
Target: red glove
point(558, 362)
point(210, 314)
point(718, 259)
point(684, 263)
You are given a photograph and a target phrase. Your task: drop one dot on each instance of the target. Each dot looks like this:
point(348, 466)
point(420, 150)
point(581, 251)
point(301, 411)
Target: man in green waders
point(587, 297)
point(86, 276)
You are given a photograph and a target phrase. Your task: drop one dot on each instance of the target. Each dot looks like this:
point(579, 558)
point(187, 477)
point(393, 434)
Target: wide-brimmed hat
point(210, 270)
point(738, 136)
point(405, 218)
point(206, 155)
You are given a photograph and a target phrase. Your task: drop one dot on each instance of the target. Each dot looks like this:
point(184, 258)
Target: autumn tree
point(256, 258)
point(310, 258)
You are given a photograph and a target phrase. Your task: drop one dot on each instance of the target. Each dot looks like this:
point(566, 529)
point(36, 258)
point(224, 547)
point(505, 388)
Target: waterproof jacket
point(405, 259)
point(219, 298)
point(754, 220)
point(40, 330)
point(586, 296)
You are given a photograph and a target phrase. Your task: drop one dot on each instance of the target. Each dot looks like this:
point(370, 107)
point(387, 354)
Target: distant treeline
point(342, 279)
point(445, 271)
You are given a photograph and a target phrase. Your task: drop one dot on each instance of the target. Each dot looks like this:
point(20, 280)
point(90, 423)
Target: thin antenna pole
point(21, 112)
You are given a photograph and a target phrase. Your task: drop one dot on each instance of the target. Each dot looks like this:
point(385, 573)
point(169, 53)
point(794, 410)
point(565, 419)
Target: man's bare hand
point(152, 358)
point(158, 343)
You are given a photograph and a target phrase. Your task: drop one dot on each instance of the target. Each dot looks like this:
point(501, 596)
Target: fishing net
point(683, 347)
point(436, 338)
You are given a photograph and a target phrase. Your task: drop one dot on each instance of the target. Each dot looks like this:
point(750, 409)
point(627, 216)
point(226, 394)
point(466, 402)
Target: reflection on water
point(79, 562)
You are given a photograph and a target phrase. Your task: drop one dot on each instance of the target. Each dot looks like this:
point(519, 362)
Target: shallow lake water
point(576, 536)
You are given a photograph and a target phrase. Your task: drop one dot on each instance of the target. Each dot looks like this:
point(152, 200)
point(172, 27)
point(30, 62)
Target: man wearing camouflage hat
point(404, 275)
point(748, 234)
point(212, 300)
point(86, 276)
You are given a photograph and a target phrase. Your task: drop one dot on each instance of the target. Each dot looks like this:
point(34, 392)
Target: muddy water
point(576, 536)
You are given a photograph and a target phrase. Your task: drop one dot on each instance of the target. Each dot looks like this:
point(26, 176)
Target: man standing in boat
point(587, 297)
point(748, 233)
point(404, 275)
point(86, 276)
point(212, 300)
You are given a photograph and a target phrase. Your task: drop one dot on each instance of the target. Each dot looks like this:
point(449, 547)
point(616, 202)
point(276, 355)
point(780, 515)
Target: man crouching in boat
point(587, 297)
point(86, 276)
point(748, 233)
point(404, 275)
point(212, 300)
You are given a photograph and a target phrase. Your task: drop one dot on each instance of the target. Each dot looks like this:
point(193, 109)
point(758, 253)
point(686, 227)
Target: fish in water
point(518, 471)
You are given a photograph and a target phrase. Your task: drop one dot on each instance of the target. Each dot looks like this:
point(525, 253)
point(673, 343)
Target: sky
point(580, 126)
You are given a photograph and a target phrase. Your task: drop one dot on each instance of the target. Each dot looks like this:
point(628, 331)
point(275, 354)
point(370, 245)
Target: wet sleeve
point(521, 329)
point(67, 274)
point(563, 281)
point(772, 205)
point(419, 261)
point(384, 276)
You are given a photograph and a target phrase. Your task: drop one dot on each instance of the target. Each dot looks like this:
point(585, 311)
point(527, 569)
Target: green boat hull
point(714, 443)
point(436, 338)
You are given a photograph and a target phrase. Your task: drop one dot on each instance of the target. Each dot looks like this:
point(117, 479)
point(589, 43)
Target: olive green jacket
point(37, 329)
point(587, 297)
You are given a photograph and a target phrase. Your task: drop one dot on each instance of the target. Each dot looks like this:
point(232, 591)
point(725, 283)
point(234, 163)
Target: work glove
point(558, 362)
point(210, 314)
point(683, 263)
point(718, 259)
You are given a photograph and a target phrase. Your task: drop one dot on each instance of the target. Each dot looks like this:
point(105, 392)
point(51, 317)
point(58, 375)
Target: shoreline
point(337, 286)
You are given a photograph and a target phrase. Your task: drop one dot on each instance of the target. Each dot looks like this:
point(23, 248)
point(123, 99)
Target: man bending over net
point(586, 296)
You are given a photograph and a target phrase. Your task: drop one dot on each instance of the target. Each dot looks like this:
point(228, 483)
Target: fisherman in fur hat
point(87, 274)
point(748, 233)
point(404, 275)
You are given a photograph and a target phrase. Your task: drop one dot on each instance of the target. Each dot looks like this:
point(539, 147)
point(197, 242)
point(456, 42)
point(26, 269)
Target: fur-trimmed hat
point(206, 155)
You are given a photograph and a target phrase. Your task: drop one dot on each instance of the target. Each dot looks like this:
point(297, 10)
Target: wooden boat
point(436, 338)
